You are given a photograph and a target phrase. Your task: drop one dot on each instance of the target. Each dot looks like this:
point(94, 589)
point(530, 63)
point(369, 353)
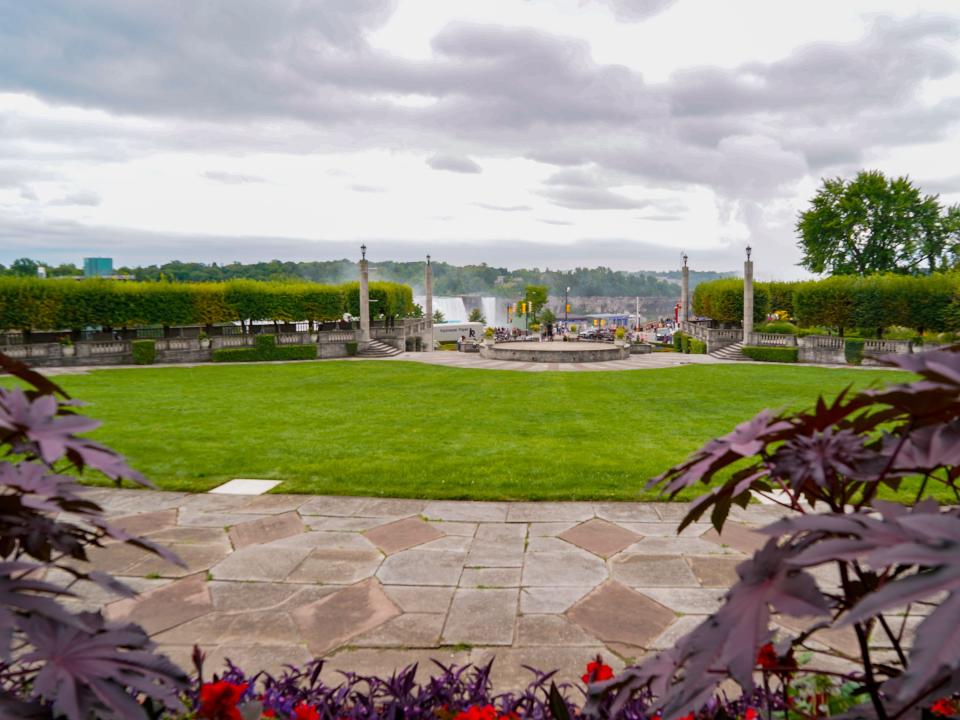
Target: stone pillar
point(364, 298)
point(747, 297)
point(428, 310)
point(685, 292)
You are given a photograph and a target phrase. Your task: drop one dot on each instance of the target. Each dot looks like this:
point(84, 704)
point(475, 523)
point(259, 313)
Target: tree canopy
point(875, 224)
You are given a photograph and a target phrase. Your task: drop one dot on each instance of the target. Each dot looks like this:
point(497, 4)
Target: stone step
point(730, 352)
point(377, 349)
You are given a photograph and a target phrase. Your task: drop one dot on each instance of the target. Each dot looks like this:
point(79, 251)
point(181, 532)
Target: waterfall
point(490, 311)
point(452, 308)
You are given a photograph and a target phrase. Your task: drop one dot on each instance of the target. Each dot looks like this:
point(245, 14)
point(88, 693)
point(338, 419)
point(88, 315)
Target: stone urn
point(205, 343)
point(68, 350)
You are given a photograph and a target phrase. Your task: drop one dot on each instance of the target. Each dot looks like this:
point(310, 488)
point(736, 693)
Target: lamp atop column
point(749, 250)
point(684, 256)
point(363, 252)
point(428, 259)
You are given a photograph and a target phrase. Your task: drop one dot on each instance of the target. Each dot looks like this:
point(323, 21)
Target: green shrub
point(678, 342)
point(697, 347)
point(771, 354)
point(777, 327)
point(853, 351)
point(266, 349)
point(352, 348)
point(722, 300)
point(144, 352)
point(685, 344)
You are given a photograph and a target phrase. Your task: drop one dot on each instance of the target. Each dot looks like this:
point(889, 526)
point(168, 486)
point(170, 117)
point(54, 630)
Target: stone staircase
point(377, 349)
point(730, 352)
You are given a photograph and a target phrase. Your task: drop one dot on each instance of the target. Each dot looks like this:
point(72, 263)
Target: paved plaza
point(375, 584)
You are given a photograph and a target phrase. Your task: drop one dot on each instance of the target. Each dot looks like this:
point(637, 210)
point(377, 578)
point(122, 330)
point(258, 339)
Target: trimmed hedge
point(144, 352)
point(722, 300)
point(697, 347)
point(352, 348)
point(853, 351)
point(678, 342)
point(34, 304)
point(265, 349)
point(923, 302)
point(771, 354)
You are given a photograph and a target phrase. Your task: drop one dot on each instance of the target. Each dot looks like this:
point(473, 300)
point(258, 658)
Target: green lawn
point(409, 429)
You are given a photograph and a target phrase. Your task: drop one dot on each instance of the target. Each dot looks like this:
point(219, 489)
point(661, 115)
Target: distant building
point(41, 271)
point(97, 267)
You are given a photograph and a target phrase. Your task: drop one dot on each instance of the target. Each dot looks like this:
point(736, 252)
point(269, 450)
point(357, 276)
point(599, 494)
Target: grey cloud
point(555, 222)
point(579, 178)
point(637, 10)
point(367, 188)
point(661, 218)
point(83, 197)
point(503, 208)
point(453, 163)
point(885, 66)
point(941, 186)
point(232, 178)
point(581, 198)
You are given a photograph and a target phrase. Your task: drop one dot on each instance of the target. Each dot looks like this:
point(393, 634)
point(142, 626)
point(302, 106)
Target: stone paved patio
point(374, 584)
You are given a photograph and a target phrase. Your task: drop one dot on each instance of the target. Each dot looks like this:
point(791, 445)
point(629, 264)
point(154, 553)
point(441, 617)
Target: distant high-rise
point(97, 267)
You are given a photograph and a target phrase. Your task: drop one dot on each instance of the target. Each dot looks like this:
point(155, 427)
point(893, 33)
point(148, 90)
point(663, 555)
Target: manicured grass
point(409, 429)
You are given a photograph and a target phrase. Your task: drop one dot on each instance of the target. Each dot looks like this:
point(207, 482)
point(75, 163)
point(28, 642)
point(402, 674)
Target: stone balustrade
point(887, 347)
point(772, 340)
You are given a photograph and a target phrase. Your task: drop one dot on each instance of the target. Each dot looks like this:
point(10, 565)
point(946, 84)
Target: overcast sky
point(514, 132)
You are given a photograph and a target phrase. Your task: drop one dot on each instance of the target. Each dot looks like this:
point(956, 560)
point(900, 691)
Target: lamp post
point(748, 298)
point(566, 304)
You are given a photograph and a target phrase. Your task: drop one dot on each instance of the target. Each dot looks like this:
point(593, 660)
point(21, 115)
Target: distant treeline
point(32, 304)
point(448, 279)
point(870, 304)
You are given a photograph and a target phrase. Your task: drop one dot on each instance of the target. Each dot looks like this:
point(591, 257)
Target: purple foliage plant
point(827, 466)
point(55, 663)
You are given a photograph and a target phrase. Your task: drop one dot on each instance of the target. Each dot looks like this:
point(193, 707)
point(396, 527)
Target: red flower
point(218, 701)
point(750, 714)
point(767, 657)
point(268, 713)
point(305, 712)
point(597, 672)
point(475, 712)
point(945, 707)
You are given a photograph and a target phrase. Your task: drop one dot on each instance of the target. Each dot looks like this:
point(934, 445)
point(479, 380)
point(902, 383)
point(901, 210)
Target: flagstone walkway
point(375, 584)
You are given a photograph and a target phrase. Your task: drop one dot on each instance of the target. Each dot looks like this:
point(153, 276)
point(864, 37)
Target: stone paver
point(422, 567)
point(374, 584)
point(166, 607)
point(615, 613)
point(264, 530)
point(481, 617)
point(330, 622)
point(403, 534)
point(652, 571)
point(600, 537)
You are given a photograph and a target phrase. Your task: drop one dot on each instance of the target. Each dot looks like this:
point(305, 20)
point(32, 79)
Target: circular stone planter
point(554, 352)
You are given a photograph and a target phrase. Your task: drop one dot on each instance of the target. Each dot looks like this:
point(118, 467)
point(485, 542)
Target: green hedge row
point(144, 352)
point(722, 300)
point(925, 302)
point(771, 354)
point(697, 347)
point(265, 349)
point(34, 304)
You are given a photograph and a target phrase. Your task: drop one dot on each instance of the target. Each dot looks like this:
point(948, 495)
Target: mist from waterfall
point(453, 308)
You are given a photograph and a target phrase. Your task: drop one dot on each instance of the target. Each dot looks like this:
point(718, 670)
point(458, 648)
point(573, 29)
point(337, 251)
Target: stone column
point(685, 292)
point(364, 298)
point(428, 310)
point(747, 297)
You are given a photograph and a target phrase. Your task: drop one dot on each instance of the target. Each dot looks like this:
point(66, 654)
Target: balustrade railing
point(773, 340)
point(887, 347)
point(822, 342)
